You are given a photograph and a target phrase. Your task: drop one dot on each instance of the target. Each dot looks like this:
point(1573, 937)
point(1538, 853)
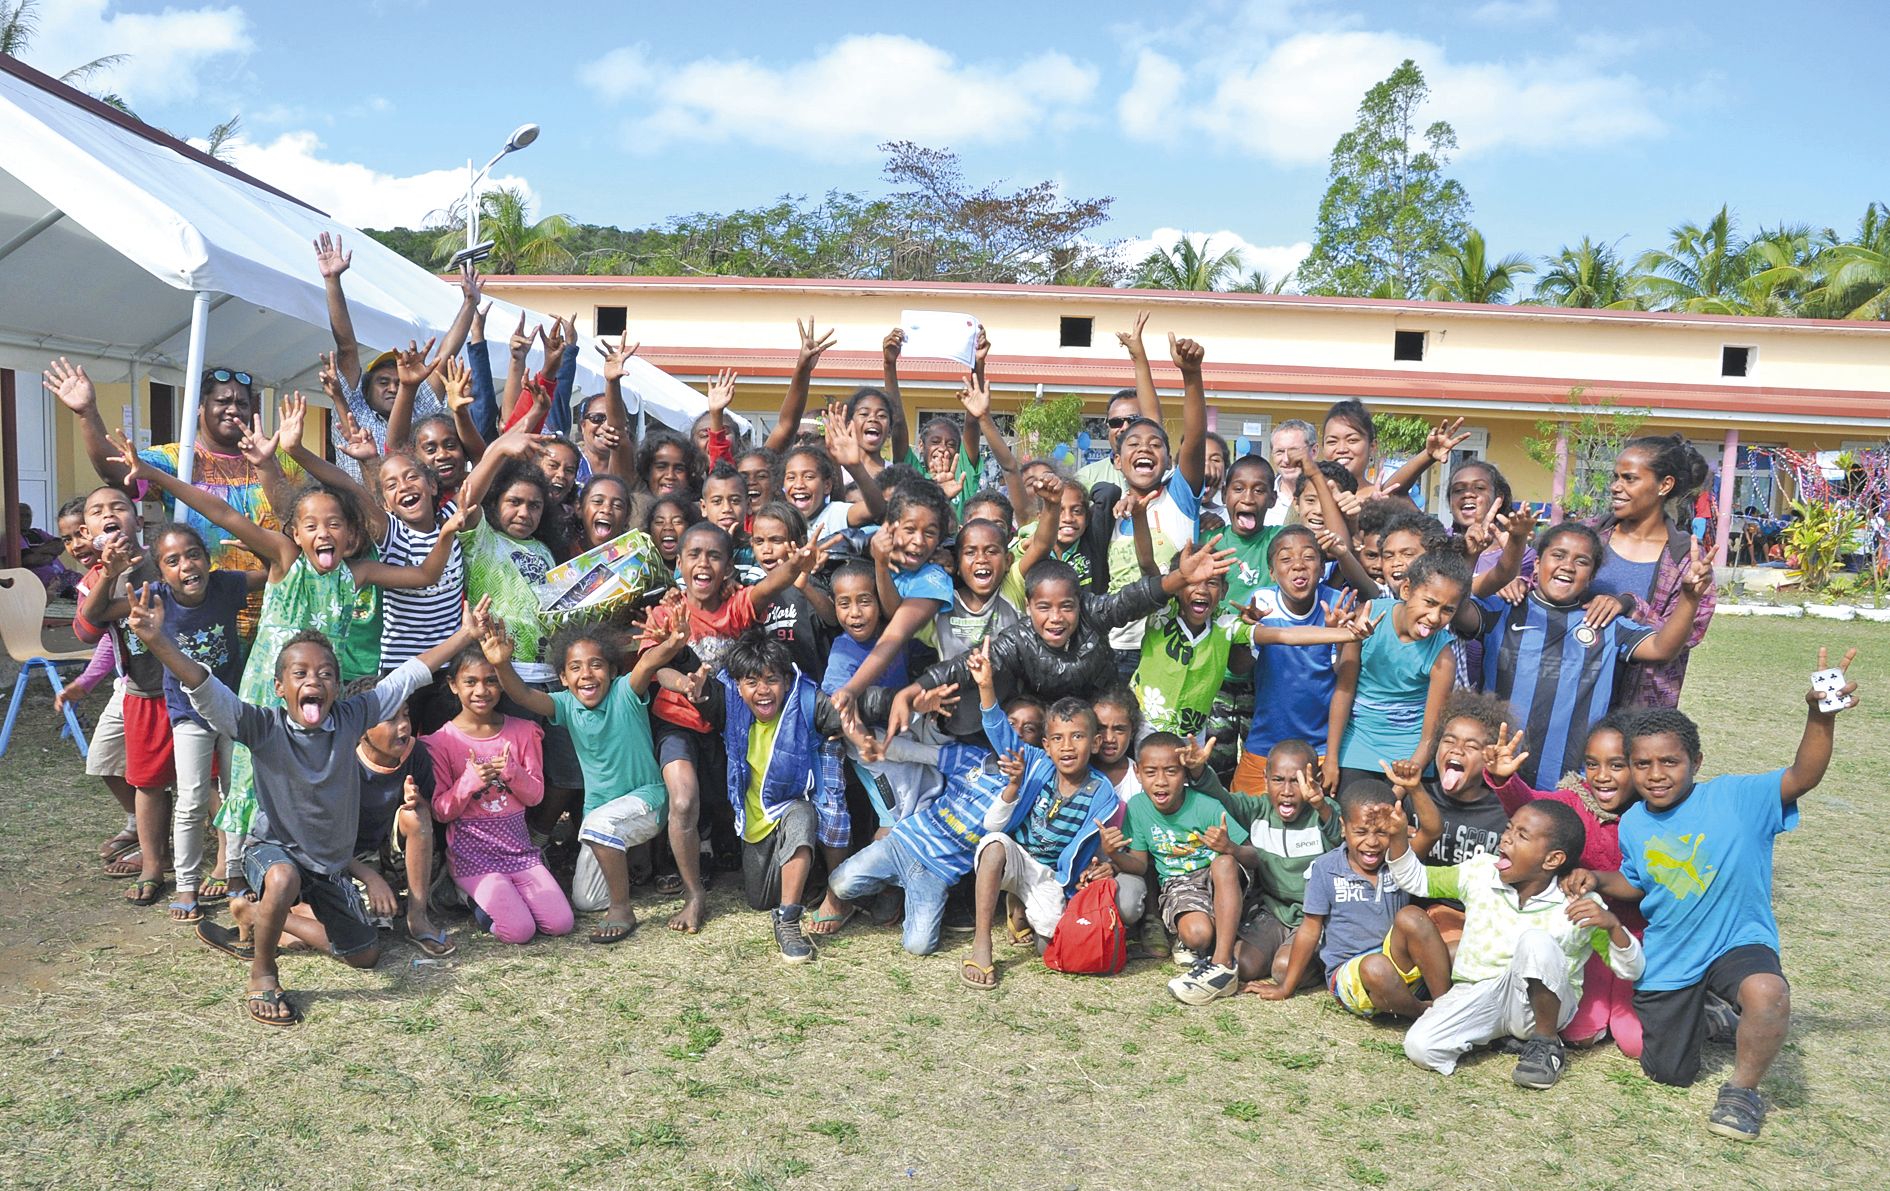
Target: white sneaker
point(1206, 981)
point(1183, 957)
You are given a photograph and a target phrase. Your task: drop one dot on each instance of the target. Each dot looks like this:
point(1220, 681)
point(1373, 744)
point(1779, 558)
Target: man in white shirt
point(1288, 441)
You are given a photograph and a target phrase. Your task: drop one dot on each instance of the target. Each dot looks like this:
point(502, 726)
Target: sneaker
point(795, 949)
point(1541, 1063)
point(1182, 955)
point(1722, 1020)
point(1738, 1114)
point(1204, 982)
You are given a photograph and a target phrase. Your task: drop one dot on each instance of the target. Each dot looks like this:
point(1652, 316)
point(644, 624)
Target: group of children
point(1359, 747)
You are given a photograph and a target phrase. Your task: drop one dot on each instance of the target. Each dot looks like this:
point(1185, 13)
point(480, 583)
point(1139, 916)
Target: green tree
point(1701, 271)
point(1042, 426)
point(520, 244)
point(1259, 281)
point(1464, 272)
point(1388, 208)
point(1856, 273)
point(1188, 265)
point(1596, 430)
point(1588, 275)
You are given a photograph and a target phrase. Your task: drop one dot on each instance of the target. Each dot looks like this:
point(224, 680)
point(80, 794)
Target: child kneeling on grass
point(1040, 836)
point(1201, 859)
point(607, 715)
point(308, 790)
point(1698, 856)
point(1376, 947)
point(1518, 971)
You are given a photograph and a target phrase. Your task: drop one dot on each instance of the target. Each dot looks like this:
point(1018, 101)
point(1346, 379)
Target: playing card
point(1828, 683)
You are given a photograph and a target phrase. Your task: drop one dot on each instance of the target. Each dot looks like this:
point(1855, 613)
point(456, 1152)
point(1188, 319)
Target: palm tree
point(1782, 267)
point(1188, 266)
point(1588, 275)
point(1700, 272)
point(519, 245)
point(1464, 272)
point(222, 136)
point(1857, 272)
point(20, 20)
point(1259, 281)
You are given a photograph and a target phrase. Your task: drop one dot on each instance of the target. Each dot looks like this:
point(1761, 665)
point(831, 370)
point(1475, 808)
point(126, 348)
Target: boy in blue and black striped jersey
point(1557, 655)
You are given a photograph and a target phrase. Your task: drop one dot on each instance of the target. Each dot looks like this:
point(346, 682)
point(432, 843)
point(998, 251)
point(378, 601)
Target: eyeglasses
point(224, 376)
point(597, 419)
point(1118, 423)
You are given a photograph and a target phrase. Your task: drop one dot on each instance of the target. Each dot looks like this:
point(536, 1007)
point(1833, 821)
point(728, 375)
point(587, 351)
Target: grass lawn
point(126, 1058)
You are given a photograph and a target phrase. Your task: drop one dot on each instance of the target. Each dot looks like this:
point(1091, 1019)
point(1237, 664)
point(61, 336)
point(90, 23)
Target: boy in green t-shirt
point(1200, 857)
point(1291, 827)
point(1250, 495)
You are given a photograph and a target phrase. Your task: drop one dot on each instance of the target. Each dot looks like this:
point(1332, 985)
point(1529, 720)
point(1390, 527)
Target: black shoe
point(795, 949)
point(1738, 1114)
point(1722, 1020)
point(1541, 1063)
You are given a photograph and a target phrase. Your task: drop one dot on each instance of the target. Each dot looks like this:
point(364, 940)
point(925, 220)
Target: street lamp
point(521, 136)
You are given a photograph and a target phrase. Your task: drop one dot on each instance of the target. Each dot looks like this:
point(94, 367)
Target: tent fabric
point(107, 229)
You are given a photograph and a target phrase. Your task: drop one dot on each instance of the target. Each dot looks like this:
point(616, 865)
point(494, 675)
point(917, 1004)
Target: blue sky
point(1606, 119)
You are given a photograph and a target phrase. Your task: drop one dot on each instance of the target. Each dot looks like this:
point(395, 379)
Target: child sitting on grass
point(1040, 835)
point(1698, 857)
point(607, 715)
point(308, 790)
point(395, 821)
point(1518, 970)
point(1375, 946)
point(1199, 856)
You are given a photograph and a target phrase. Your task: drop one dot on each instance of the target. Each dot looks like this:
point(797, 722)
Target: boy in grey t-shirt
point(308, 795)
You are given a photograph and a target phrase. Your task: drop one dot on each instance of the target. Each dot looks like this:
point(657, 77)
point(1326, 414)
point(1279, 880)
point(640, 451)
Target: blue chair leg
point(13, 706)
point(72, 728)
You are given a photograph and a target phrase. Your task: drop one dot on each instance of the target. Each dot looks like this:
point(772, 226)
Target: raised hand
point(146, 615)
point(555, 341)
point(1521, 521)
point(256, 446)
point(978, 662)
point(936, 700)
point(330, 260)
point(1478, 535)
point(721, 390)
point(469, 288)
point(521, 340)
point(1011, 765)
point(888, 347)
point(1504, 758)
point(617, 359)
point(1444, 438)
point(1202, 562)
point(357, 442)
point(291, 414)
point(71, 385)
point(1310, 792)
point(1405, 776)
point(494, 641)
point(1848, 692)
point(811, 345)
point(330, 378)
point(981, 349)
point(1048, 486)
point(458, 380)
point(842, 443)
point(1216, 839)
point(412, 365)
point(1186, 353)
point(1698, 580)
point(1348, 502)
point(975, 396)
point(1131, 339)
point(136, 469)
point(1193, 755)
point(119, 554)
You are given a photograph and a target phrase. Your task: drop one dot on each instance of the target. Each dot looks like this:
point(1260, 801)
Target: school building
point(1731, 385)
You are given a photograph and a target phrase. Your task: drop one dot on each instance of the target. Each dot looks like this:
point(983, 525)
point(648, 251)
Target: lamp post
point(522, 136)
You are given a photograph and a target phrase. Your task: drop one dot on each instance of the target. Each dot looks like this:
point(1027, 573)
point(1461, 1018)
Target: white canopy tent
point(121, 244)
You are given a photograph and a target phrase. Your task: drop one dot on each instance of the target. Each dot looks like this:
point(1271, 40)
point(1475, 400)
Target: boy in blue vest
point(1697, 857)
point(788, 792)
point(1041, 835)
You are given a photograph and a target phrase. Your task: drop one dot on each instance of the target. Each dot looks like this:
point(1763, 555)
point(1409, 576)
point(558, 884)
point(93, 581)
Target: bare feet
point(689, 919)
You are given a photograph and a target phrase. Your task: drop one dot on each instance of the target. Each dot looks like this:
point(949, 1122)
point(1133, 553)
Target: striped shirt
point(413, 621)
point(1559, 676)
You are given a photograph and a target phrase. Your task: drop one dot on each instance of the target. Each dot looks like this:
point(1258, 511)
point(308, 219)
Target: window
point(1736, 361)
point(1075, 332)
point(162, 422)
point(1407, 345)
point(612, 320)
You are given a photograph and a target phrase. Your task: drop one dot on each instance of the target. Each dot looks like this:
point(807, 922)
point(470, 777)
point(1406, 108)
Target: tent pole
point(193, 386)
point(10, 469)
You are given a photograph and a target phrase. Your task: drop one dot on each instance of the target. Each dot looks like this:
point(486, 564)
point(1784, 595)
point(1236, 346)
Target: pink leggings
point(521, 904)
point(1607, 1004)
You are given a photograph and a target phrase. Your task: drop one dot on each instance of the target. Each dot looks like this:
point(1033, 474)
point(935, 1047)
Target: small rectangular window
point(1075, 332)
point(1407, 345)
point(1735, 361)
point(611, 320)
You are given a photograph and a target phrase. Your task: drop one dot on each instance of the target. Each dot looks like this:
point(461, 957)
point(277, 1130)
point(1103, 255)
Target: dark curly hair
point(695, 463)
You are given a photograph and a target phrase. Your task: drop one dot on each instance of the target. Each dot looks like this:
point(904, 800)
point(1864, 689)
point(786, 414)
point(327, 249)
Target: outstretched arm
point(889, 370)
point(331, 261)
point(277, 550)
point(1191, 458)
point(69, 383)
point(1814, 747)
point(291, 412)
point(412, 367)
point(794, 404)
point(496, 644)
point(1148, 402)
point(623, 454)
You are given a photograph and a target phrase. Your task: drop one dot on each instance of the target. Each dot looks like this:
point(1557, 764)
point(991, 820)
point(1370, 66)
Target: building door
point(39, 479)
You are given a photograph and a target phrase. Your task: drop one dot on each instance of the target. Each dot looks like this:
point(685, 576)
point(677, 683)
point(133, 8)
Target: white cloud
point(356, 194)
point(1288, 101)
point(1276, 259)
point(860, 91)
point(1514, 12)
point(168, 52)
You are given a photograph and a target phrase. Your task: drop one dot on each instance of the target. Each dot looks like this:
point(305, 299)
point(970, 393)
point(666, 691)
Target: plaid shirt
point(1657, 684)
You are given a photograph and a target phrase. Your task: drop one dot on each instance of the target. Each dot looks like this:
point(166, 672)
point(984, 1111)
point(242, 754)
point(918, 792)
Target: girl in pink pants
point(488, 768)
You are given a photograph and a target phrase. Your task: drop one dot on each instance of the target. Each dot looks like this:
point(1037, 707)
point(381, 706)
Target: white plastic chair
point(22, 615)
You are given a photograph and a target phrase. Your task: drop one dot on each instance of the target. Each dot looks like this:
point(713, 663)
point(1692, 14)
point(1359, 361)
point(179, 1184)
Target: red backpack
point(1089, 938)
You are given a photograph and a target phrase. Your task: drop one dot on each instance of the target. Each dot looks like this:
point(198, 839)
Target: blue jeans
point(886, 862)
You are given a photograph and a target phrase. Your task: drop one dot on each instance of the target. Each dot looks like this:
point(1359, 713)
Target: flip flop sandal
point(222, 938)
point(1020, 936)
point(613, 932)
point(144, 893)
point(815, 918)
point(185, 912)
point(439, 944)
point(274, 998)
point(118, 845)
point(669, 884)
point(213, 889)
point(966, 967)
point(127, 864)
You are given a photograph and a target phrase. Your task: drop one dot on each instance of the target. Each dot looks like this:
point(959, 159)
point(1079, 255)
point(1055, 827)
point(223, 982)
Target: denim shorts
point(336, 904)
